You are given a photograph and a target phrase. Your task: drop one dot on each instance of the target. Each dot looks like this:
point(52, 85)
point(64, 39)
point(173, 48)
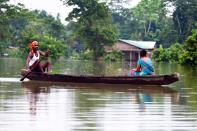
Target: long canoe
point(134, 80)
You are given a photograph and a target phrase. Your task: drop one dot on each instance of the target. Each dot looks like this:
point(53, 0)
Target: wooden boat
point(134, 80)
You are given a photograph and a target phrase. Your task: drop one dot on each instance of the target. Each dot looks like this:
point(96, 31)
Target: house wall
point(131, 53)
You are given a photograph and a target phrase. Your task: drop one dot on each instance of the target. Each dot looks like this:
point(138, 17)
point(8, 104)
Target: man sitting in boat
point(144, 65)
point(33, 60)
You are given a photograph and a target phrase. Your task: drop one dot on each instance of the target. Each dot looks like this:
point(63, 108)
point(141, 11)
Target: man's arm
point(45, 54)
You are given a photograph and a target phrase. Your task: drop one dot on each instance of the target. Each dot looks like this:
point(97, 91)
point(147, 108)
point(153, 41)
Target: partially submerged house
point(131, 49)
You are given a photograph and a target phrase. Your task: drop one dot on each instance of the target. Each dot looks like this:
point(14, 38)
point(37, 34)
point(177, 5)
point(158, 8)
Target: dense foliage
point(171, 54)
point(114, 55)
point(184, 18)
point(184, 54)
point(19, 26)
point(189, 55)
point(164, 21)
point(6, 13)
point(96, 23)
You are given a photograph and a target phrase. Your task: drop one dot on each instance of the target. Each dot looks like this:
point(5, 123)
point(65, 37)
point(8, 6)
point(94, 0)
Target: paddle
point(30, 70)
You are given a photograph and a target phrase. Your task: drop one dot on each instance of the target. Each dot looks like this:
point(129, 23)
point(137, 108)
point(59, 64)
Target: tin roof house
point(131, 49)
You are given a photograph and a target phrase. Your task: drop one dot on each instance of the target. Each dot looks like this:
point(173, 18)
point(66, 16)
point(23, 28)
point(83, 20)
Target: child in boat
point(33, 60)
point(144, 65)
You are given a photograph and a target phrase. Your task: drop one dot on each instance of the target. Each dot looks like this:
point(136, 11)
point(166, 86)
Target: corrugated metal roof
point(140, 44)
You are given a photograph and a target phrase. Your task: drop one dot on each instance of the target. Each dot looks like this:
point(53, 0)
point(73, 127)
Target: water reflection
point(34, 92)
point(67, 106)
point(106, 107)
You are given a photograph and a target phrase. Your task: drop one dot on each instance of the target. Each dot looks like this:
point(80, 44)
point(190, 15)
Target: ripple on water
point(15, 80)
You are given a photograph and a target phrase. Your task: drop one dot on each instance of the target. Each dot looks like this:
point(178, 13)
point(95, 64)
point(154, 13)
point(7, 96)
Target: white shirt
point(34, 58)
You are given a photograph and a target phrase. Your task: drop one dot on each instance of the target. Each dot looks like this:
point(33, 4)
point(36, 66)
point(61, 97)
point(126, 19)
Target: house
point(131, 49)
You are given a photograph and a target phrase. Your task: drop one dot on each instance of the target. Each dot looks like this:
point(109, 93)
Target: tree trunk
point(179, 24)
point(145, 29)
point(149, 26)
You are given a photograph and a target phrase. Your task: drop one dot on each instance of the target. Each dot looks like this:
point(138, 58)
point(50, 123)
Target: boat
point(131, 80)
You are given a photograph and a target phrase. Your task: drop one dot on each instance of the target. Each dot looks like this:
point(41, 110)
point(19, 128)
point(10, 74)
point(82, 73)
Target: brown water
point(41, 106)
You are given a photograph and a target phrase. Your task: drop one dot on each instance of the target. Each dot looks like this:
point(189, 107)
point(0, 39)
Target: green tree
point(51, 25)
point(171, 54)
point(113, 56)
point(190, 50)
point(184, 17)
point(4, 8)
point(57, 47)
point(123, 19)
point(147, 14)
point(18, 26)
point(94, 24)
point(6, 13)
point(175, 52)
point(38, 25)
point(160, 54)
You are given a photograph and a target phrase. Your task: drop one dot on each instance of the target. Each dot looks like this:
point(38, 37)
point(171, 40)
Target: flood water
point(41, 106)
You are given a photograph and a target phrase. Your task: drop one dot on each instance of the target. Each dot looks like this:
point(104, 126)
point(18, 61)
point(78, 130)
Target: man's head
point(33, 45)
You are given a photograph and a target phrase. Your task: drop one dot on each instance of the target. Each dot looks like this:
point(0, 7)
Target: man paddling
point(33, 60)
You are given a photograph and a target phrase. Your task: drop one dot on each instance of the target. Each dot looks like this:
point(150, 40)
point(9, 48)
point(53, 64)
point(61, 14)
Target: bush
point(86, 55)
point(189, 55)
point(171, 54)
point(58, 47)
point(113, 56)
